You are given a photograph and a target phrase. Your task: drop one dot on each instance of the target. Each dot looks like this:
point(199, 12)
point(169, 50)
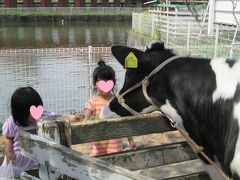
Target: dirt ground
point(146, 140)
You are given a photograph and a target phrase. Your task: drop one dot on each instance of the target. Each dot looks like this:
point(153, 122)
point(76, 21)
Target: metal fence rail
point(186, 36)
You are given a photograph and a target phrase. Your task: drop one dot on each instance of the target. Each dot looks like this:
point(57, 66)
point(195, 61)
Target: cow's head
point(202, 95)
point(147, 61)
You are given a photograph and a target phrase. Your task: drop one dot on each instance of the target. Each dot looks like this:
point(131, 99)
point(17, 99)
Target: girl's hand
point(74, 117)
point(80, 115)
point(132, 144)
point(8, 148)
point(9, 156)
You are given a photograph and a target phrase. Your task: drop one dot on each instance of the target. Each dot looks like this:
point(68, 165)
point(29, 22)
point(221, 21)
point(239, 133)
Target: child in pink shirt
point(21, 119)
point(102, 74)
point(95, 104)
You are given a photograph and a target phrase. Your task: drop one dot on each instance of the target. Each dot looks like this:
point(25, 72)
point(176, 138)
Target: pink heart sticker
point(36, 112)
point(105, 86)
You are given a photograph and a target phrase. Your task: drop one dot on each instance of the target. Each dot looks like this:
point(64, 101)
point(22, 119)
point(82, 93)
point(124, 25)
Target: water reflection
point(77, 34)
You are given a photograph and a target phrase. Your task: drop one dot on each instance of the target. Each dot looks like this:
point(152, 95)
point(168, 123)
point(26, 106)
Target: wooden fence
point(57, 161)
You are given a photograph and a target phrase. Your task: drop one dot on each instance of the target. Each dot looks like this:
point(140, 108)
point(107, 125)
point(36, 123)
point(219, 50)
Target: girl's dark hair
point(103, 72)
point(22, 99)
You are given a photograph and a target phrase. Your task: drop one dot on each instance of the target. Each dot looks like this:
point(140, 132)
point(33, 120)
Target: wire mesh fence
point(186, 36)
point(63, 77)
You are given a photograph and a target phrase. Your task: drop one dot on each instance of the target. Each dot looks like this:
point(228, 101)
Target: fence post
point(133, 20)
point(188, 37)
point(71, 10)
point(153, 25)
point(233, 41)
point(90, 68)
point(139, 23)
point(212, 7)
point(216, 41)
point(167, 25)
point(176, 20)
point(57, 129)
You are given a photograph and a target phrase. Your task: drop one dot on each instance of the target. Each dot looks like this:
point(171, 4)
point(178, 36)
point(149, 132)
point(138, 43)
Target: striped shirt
point(95, 104)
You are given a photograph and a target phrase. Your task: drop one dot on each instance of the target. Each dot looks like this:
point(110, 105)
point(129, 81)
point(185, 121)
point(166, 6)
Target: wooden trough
point(57, 161)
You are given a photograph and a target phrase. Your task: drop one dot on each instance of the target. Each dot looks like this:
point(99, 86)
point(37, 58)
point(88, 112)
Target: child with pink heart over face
point(26, 108)
point(104, 82)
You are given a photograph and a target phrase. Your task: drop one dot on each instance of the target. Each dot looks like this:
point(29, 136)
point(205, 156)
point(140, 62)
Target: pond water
point(75, 34)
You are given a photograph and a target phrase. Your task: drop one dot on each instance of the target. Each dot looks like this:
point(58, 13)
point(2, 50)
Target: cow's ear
point(128, 57)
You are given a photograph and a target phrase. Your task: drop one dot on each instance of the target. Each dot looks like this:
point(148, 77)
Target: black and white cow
point(202, 95)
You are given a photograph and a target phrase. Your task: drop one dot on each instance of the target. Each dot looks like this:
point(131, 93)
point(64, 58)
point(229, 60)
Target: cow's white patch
point(149, 109)
point(106, 113)
point(235, 164)
point(172, 113)
point(227, 78)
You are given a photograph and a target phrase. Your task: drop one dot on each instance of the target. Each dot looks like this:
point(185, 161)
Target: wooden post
point(56, 129)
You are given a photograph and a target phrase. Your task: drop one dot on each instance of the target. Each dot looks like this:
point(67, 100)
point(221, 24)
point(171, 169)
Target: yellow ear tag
point(131, 61)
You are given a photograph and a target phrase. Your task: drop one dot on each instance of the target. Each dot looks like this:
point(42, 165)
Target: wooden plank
point(152, 156)
point(192, 169)
point(57, 129)
point(26, 176)
point(32, 174)
point(70, 162)
point(119, 128)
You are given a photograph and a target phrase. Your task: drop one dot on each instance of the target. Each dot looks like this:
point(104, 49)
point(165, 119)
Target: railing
point(70, 10)
point(180, 32)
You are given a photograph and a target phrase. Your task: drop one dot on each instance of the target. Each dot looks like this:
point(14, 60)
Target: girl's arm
point(8, 148)
point(132, 144)
point(87, 114)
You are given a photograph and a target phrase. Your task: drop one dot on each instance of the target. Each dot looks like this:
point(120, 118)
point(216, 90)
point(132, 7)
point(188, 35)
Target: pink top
point(11, 130)
point(95, 104)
